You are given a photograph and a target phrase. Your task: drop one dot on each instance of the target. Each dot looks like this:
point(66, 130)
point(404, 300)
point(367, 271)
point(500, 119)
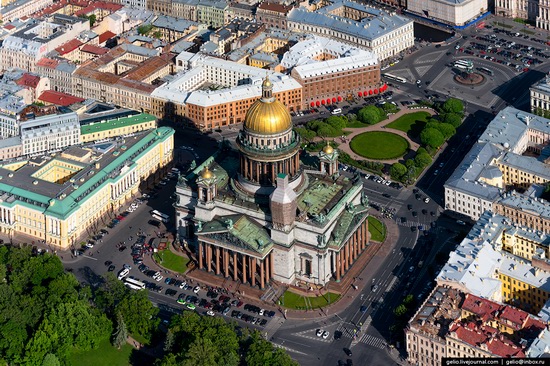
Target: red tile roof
point(28, 80)
point(58, 98)
point(68, 47)
point(98, 5)
point(96, 50)
point(468, 333)
point(502, 347)
point(106, 36)
point(47, 62)
point(514, 316)
point(483, 308)
point(275, 7)
point(9, 26)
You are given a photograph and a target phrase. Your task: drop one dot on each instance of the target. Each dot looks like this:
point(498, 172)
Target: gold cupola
point(267, 116)
point(328, 149)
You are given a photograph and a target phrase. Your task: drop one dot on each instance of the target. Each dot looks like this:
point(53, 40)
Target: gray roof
point(177, 24)
point(369, 28)
point(531, 205)
point(10, 141)
point(540, 348)
point(526, 164)
point(543, 86)
point(473, 166)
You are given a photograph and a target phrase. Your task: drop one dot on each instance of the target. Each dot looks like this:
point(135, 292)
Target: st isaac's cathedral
point(265, 212)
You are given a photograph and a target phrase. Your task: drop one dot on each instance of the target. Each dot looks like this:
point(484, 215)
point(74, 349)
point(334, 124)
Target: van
point(123, 273)
point(460, 222)
point(337, 111)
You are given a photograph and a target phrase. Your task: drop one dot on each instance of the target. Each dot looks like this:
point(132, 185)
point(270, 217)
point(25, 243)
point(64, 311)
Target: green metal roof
point(346, 224)
point(62, 208)
point(116, 123)
point(238, 231)
point(316, 197)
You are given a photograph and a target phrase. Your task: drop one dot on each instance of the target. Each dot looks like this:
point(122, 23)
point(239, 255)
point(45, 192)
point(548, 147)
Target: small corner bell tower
point(206, 186)
point(328, 160)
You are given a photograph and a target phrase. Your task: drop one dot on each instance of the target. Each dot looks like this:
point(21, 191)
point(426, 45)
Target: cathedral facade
point(260, 213)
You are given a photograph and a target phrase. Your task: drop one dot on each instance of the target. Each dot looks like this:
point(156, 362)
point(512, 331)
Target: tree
point(422, 160)
point(262, 353)
point(453, 105)
point(453, 119)
point(139, 313)
point(144, 29)
point(51, 360)
point(400, 310)
point(121, 335)
point(432, 137)
point(337, 122)
point(398, 171)
point(305, 134)
point(202, 352)
point(447, 130)
point(92, 18)
point(370, 115)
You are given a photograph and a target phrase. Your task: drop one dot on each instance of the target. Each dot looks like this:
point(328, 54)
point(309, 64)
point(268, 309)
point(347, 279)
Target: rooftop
point(59, 98)
point(112, 124)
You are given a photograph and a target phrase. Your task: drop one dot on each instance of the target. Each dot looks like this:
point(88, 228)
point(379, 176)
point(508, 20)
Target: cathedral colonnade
point(342, 260)
point(235, 265)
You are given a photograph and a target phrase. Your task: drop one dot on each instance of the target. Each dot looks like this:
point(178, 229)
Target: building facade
point(540, 96)
point(455, 13)
point(273, 14)
point(62, 199)
point(119, 126)
point(269, 217)
point(50, 131)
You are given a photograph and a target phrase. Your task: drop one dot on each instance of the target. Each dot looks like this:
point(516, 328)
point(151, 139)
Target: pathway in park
point(381, 126)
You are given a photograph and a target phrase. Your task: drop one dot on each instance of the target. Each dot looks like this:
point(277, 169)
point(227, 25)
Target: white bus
point(464, 62)
point(395, 78)
point(164, 217)
point(157, 217)
point(462, 67)
point(134, 284)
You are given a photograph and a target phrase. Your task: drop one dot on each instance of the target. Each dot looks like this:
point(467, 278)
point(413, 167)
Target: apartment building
point(24, 48)
point(540, 97)
point(185, 98)
point(330, 71)
point(273, 14)
point(497, 163)
point(451, 323)
point(385, 34)
point(454, 13)
point(47, 129)
point(21, 8)
point(523, 210)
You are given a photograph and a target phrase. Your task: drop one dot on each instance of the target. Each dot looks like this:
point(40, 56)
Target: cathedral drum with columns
point(260, 213)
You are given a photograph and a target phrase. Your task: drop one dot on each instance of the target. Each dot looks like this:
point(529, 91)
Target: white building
point(385, 34)
point(10, 107)
point(50, 132)
point(540, 96)
point(25, 47)
point(21, 8)
point(496, 161)
point(452, 12)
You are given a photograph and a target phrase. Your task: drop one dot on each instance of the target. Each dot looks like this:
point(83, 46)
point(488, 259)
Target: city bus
point(160, 214)
point(134, 284)
point(395, 78)
point(486, 71)
point(463, 62)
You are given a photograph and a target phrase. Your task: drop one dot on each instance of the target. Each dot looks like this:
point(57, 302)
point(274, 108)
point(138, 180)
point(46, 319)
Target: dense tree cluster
point(371, 114)
point(195, 340)
point(44, 312)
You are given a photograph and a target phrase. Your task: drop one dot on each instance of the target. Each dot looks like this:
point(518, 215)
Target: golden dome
point(207, 174)
point(328, 149)
point(267, 115)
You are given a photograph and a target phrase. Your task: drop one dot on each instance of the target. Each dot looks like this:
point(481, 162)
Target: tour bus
point(123, 273)
point(395, 78)
point(160, 216)
point(134, 284)
point(486, 71)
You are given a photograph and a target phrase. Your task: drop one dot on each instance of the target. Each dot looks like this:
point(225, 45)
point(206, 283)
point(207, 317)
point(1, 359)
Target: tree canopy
point(210, 341)
point(432, 137)
point(370, 115)
point(453, 105)
point(43, 318)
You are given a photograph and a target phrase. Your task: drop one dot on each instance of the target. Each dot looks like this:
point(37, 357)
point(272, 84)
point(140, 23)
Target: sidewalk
point(381, 126)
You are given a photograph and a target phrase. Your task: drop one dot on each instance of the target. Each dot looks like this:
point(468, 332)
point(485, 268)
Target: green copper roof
point(317, 196)
point(346, 224)
point(238, 231)
point(116, 123)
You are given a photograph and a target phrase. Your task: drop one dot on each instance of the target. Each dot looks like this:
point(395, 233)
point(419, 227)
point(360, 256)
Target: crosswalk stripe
point(288, 349)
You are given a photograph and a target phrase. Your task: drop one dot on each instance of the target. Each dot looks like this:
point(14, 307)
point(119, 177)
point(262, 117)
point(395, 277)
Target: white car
point(196, 289)
point(262, 311)
point(325, 334)
point(183, 284)
point(426, 200)
point(210, 313)
point(319, 332)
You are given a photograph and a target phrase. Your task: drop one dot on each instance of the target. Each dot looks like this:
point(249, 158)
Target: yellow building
point(522, 292)
point(61, 199)
point(108, 129)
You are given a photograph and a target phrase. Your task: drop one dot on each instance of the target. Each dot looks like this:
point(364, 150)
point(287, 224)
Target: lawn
point(171, 261)
point(379, 145)
point(356, 124)
point(377, 229)
point(412, 123)
point(292, 300)
point(106, 354)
